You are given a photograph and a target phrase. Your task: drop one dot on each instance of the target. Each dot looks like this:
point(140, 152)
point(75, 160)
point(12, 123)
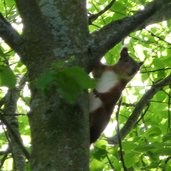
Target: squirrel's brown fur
point(111, 80)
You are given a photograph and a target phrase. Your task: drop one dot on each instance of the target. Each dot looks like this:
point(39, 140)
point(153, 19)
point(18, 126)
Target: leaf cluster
point(70, 82)
point(147, 146)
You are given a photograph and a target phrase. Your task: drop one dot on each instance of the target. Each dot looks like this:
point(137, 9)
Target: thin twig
point(154, 35)
point(142, 116)
point(15, 135)
point(4, 157)
point(110, 163)
point(119, 137)
point(156, 70)
point(93, 17)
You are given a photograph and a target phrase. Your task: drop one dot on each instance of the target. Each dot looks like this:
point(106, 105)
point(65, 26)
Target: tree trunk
point(60, 131)
point(59, 134)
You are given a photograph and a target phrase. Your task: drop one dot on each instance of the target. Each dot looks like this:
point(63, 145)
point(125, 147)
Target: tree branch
point(93, 17)
point(8, 117)
point(11, 36)
point(139, 107)
point(108, 36)
point(161, 15)
point(5, 155)
point(26, 8)
point(15, 135)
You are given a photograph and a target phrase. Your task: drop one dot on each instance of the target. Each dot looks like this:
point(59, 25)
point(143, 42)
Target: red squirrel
point(111, 80)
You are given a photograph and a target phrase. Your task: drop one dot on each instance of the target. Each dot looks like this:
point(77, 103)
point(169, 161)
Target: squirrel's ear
point(124, 52)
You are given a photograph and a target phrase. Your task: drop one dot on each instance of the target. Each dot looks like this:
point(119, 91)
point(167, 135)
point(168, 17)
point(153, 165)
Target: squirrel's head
point(126, 66)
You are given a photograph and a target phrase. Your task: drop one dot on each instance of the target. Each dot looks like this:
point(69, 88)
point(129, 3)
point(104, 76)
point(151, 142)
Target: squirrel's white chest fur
point(108, 80)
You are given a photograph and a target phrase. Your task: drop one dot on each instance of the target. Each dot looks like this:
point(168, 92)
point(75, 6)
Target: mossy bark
point(54, 31)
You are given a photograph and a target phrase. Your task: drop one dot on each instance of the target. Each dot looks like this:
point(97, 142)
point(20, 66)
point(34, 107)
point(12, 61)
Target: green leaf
point(44, 80)
point(67, 87)
point(7, 77)
point(145, 147)
point(164, 151)
point(154, 131)
point(96, 165)
point(101, 144)
point(129, 159)
point(70, 82)
point(81, 77)
point(116, 163)
point(129, 145)
point(100, 154)
point(167, 137)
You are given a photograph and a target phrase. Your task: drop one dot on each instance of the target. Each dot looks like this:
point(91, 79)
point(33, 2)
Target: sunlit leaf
point(7, 77)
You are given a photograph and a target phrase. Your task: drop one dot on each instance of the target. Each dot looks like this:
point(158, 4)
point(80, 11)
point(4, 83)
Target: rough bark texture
point(60, 131)
point(9, 114)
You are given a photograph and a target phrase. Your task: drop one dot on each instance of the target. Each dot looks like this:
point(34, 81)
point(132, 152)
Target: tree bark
point(15, 144)
point(60, 131)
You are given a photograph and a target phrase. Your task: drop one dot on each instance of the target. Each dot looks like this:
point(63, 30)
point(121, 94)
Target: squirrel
point(111, 81)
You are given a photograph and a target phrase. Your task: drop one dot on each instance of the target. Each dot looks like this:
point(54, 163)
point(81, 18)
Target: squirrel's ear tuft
point(124, 52)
